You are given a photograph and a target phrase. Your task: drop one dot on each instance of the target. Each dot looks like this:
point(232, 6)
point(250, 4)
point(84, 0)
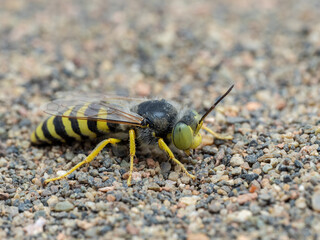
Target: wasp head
point(185, 133)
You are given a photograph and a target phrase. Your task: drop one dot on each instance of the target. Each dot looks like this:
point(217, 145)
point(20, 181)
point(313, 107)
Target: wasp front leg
point(165, 147)
point(217, 135)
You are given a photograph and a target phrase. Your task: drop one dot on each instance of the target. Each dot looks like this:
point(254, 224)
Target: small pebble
point(91, 206)
point(111, 198)
point(165, 168)
point(236, 160)
point(185, 179)
point(2, 131)
point(189, 200)
point(25, 144)
point(301, 203)
point(315, 201)
point(153, 186)
point(173, 176)
point(298, 164)
point(12, 211)
point(63, 206)
point(3, 162)
point(215, 207)
point(244, 198)
point(251, 159)
point(266, 168)
point(53, 200)
point(236, 171)
point(4, 196)
point(241, 216)
point(151, 163)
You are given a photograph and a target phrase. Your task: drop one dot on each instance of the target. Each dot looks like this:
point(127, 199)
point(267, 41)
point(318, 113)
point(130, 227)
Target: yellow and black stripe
point(63, 129)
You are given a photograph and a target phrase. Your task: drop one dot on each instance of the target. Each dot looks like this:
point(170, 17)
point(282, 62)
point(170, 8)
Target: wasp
point(120, 119)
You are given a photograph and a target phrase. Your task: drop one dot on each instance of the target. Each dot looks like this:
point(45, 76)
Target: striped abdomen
point(64, 129)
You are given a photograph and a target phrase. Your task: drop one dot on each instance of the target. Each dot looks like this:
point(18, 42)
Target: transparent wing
point(96, 107)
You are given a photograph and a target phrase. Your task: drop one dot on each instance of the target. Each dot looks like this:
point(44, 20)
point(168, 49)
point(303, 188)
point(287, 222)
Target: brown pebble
point(280, 145)
point(136, 176)
point(143, 89)
point(245, 166)
point(247, 197)
point(36, 181)
point(132, 230)
point(286, 187)
point(242, 237)
point(105, 178)
point(111, 198)
point(125, 175)
point(253, 188)
point(145, 174)
point(195, 192)
point(281, 104)
point(151, 163)
point(222, 192)
point(154, 186)
point(253, 106)
point(165, 188)
point(294, 195)
point(224, 178)
point(84, 224)
point(61, 236)
point(4, 196)
point(257, 171)
point(107, 189)
point(265, 183)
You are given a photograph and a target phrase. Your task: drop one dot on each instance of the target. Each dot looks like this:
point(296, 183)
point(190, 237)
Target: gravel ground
point(263, 184)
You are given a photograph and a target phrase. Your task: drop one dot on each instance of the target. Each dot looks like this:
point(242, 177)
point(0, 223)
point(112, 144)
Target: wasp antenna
point(216, 103)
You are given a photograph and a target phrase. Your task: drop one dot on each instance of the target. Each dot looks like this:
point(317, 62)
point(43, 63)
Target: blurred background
point(187, 51)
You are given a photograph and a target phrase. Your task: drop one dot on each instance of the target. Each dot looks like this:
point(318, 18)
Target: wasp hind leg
point(88, 159)
point(165, 147)
point(132, 137)
point(217, 135)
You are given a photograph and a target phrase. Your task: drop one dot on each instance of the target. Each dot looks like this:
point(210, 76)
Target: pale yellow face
point(185, 136)
point(197, 139)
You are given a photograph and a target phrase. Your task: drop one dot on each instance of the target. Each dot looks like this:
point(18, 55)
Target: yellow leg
point(165, 147)
point(132, 137)
point(216, 135)
point(88, 159)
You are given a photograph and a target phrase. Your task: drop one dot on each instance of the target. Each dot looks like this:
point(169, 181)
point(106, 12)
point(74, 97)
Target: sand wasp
point(151, 122)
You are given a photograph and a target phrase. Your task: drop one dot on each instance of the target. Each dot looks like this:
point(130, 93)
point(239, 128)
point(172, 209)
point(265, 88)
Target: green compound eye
point(182, 136)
